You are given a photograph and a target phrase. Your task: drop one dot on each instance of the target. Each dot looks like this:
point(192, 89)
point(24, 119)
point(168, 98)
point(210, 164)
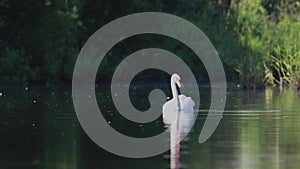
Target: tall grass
point(271, 50)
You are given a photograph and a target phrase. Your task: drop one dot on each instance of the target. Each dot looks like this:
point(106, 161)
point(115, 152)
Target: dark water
point(39, 129)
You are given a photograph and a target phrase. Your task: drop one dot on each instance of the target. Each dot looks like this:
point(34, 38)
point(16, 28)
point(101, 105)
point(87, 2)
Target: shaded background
point(258, 40)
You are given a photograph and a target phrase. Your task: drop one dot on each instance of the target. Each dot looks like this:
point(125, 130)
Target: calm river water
point(259, 130)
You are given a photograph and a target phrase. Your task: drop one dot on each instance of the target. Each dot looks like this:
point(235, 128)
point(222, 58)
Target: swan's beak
point(179, 84)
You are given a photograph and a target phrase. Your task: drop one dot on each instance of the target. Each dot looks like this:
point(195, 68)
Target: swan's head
point(176, 79)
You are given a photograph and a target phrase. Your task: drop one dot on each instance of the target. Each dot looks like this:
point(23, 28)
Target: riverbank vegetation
point(258, 40)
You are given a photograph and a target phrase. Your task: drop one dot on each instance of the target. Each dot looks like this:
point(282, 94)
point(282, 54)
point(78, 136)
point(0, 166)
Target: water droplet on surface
point(26, 88)
point(34, 101)
point(1, 94)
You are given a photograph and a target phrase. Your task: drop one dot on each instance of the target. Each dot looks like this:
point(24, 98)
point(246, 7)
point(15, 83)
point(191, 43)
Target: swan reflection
point(178, 129)
point(178, 115)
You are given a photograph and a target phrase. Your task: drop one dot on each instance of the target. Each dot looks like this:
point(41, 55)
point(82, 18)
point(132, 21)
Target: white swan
point(180, 105)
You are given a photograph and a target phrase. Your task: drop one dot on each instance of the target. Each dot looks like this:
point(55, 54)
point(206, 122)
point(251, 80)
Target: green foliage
point(284, 52)
point(270, 46)
point(258, 40)
point(14, 68)
point(42, 34)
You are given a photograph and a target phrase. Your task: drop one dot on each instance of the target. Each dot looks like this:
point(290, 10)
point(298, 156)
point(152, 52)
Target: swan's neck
point(174, 90)
point(175, 93)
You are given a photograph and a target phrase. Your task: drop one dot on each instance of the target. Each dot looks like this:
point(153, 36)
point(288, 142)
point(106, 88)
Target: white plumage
point(180, 105)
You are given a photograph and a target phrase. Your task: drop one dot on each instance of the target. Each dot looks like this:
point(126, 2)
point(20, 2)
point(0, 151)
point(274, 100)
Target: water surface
point(39, 129)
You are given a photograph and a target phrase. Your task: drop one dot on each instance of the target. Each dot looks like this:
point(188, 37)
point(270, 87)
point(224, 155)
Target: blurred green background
point(258, 40)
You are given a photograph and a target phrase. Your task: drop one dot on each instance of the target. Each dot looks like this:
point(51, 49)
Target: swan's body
point(180, 106)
